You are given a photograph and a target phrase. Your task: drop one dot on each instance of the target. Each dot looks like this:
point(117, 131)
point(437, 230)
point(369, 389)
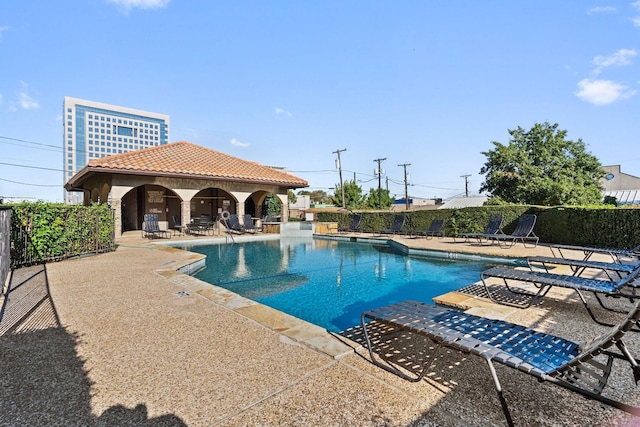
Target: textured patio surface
point(126, 340)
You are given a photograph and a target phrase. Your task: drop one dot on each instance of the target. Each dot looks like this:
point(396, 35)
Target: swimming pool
point(330, 283)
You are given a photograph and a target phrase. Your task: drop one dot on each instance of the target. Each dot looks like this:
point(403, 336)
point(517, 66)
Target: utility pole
point(406, 188)
point(466, 184)
point(339, 166)
point(379, 172)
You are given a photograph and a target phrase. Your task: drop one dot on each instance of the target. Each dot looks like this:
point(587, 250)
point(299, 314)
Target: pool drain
point(181, 294)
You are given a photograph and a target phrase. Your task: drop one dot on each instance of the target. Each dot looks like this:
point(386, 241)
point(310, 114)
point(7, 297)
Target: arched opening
point(153, 199)
point(211, 202)
point(271, 208)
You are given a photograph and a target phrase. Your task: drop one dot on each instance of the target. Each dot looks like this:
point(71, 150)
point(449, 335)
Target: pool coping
point(300, 331)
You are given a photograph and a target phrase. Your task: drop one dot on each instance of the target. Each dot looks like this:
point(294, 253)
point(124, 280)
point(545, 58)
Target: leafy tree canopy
point(352, 195)
point(373, 200)
point(541, 167)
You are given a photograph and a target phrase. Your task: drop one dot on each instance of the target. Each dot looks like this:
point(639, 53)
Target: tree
point(541, 167)
point(271, 205)
point(291, 196)
point(373, 201)
point(352, 195)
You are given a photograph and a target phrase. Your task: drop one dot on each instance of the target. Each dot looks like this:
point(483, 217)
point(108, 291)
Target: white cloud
point(282, 112)
point(636, 20)
point(2, 30)
point(127, 5)
point(601, 9)
point(621, 58)
point(238, 143)
point(602, 92)
point(26, 102)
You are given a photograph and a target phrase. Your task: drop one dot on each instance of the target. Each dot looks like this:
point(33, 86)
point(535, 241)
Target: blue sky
point(287, 83)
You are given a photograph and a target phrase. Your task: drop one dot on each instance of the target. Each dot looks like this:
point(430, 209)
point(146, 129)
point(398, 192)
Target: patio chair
point(177, 225)
point(396, 225)
point(494, 226)
point(201, 225)
point(151, 227)
point(523, 233)
point(355, 224)
point(581, 368)
point(436, 228)
point(618, 255)
point(249, 225)
point(625, 287)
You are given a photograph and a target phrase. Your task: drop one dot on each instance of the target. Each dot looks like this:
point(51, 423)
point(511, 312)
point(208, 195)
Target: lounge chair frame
point(355, 225)
point(617, 255)
point(579, 368)
point(578, 267)
point(436, 228)
point(523, 233)
point(544, 281)
point(494, 226)
point(396, 226)
point(249, 225)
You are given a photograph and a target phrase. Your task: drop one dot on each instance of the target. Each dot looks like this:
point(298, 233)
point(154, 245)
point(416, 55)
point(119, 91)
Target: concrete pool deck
point(138, 342)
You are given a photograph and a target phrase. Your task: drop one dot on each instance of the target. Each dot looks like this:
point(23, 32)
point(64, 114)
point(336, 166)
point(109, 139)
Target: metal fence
point(71, 235)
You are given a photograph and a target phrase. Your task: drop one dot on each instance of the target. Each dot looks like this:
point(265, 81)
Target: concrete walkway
point(136, 342)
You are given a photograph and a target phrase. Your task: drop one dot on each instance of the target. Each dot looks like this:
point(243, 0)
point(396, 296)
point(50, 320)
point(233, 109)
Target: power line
point(31, 167)
point(26, 183)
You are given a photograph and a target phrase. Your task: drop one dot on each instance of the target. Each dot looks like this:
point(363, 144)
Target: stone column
point(185, 213)
point(116, 205)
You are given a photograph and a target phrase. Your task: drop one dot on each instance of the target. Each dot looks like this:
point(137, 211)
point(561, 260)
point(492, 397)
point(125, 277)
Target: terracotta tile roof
point(184, 159)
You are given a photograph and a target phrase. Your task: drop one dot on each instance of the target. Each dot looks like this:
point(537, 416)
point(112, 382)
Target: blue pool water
point(330, 283)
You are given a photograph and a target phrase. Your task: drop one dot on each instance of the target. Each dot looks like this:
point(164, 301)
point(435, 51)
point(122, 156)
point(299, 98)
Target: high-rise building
point(93, 130)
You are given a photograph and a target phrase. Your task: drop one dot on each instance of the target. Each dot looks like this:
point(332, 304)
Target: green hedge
point(586, 226)
point(50, 231)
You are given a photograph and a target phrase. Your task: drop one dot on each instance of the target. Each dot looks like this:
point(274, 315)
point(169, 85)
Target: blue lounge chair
point(494, 226)
point(436, 228)
point(151, 227)
point(549, 358)
point(618, 255)
point(543, 281)
point(249, 225)
point(355, 224)
point(523, 233)
point(232, 223)
point(578, 266)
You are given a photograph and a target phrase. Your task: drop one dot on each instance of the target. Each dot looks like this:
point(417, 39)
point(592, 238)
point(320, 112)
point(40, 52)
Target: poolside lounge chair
point(396, 225)
point(494, 226)
point(578, 266)
point(151, 227)
point(523, 233)
point(232, 223)
point(249, 224)
point(543, 281)
point(436, 228)
point(618, 255)
point(177, 225)
point(355, 224)
point(582, 368)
